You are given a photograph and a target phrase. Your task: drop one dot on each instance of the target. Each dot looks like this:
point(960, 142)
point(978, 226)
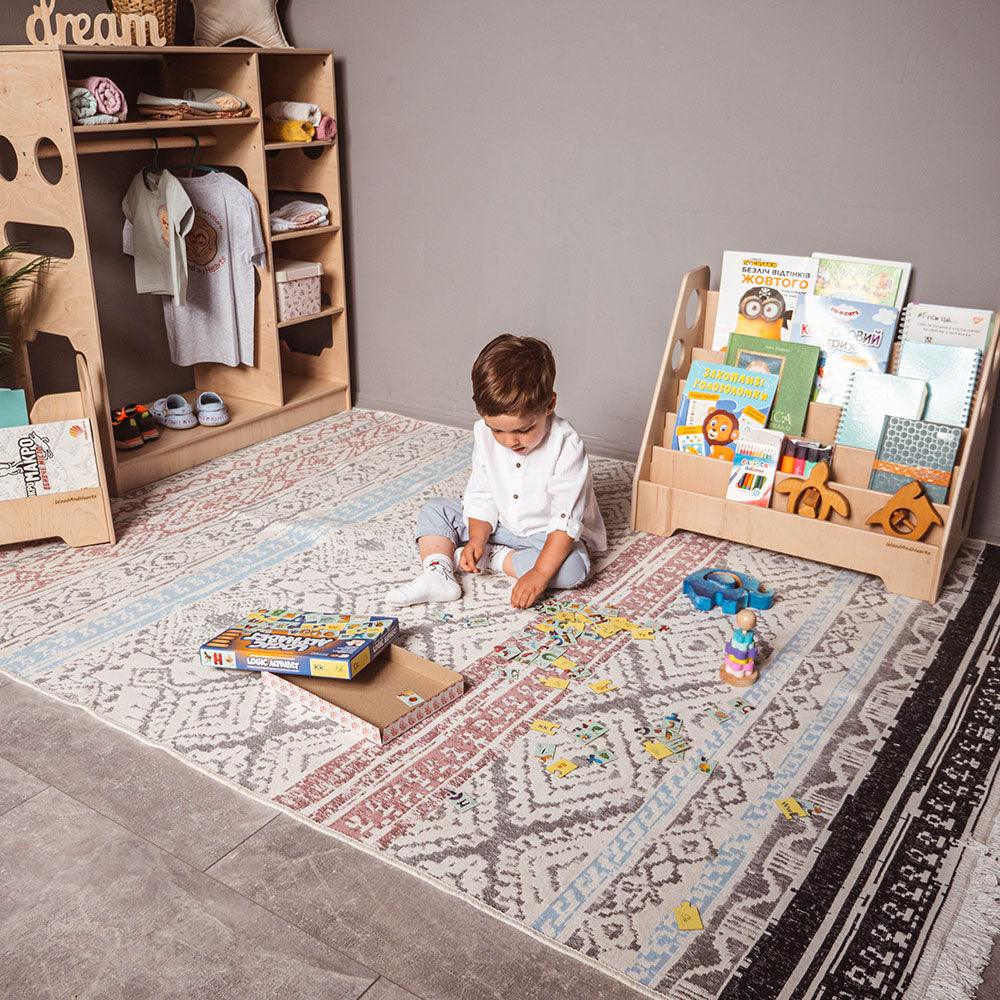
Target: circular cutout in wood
point(8, 159)
point(49, 160)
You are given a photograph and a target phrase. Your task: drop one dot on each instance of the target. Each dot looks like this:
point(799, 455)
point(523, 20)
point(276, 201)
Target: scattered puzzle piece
point(688, 918)
point(560, 683)
point(705, 765)
point(739, 705)
point(561, 767)
point(790, 807)
point(462, 801)
point(590, 732)
point(601, 756)
point(545, 727)
point(603, 687)
point(564, 663)
point(546, 751)
point(657, 750)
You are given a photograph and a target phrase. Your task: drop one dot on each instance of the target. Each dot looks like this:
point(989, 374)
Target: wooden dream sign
point(45, 27)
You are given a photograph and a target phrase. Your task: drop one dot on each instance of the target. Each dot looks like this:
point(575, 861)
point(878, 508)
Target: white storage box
point(298, 288)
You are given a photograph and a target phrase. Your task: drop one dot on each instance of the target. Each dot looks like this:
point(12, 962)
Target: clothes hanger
point(155, 169)
point(194, 165)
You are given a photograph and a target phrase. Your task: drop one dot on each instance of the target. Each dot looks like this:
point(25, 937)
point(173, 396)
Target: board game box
point(307, 643)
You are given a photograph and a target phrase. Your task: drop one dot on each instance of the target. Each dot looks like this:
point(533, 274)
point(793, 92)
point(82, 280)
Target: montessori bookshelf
point(41, 193)
point(675, 491)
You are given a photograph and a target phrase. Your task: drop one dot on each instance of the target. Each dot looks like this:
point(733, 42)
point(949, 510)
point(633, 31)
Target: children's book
point(949, 325)
point(950, 373)
point(757, 293)
point(794, 364)
point(37, 460)
point(873, 396)
point(851, 336)
point(13, 408)
point(861, 279)
point(915, 449)
point(313, 644)
point(719, 401)
point(754, 466)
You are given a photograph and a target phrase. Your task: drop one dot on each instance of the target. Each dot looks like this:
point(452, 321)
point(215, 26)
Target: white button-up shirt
point(550, 488)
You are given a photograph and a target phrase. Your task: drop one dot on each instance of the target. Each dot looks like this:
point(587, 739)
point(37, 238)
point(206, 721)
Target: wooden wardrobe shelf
point(329, 311)
point(297, 233)
point(312, 144)
point(152, 125)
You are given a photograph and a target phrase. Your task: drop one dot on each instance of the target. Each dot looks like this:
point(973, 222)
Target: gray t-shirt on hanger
point(161, 215)
point(225, 242)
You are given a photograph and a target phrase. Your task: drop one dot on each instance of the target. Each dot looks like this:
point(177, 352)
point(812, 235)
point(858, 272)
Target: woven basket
point(165, 12)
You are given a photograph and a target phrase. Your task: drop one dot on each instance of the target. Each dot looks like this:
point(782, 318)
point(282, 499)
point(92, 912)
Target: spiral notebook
point(873, 396)
point(950, 373)
point(915, 449)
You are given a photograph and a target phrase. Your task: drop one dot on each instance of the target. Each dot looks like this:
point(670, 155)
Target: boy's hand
point(471, 554)
point(528, 589)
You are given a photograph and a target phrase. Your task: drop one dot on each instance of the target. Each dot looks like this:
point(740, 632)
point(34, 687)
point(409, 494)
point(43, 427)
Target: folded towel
point(293, 111)
point(289, 131)
point(82, 103)
point(299, 215)
point(206, 98)
point(327, 128)
point(107, 93)
point(98, 120)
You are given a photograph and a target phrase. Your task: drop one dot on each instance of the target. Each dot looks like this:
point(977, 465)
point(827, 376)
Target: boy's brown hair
point(513, 375)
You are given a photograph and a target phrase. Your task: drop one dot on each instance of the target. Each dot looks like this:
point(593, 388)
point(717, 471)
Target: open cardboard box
point(369, 704)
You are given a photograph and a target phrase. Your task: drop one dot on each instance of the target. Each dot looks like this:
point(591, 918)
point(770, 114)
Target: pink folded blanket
point(107, 93)
point(327, 128)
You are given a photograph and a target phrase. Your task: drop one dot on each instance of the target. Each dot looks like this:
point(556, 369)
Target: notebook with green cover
point(13, 410)
point(794, 364)
point(873, 396)
point(950, 373)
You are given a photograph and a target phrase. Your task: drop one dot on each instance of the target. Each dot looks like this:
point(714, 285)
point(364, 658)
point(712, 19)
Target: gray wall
point(552, 166)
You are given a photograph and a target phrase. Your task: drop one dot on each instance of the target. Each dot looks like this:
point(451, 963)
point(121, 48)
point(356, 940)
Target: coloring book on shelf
point(757, 294)
point(41, 459)
point(861, 279)
point(718, 400)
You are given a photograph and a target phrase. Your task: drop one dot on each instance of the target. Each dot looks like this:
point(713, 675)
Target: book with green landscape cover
point(794, 364)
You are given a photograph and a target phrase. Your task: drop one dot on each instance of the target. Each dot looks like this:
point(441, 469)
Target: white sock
point(436, 583)
point(496, 558)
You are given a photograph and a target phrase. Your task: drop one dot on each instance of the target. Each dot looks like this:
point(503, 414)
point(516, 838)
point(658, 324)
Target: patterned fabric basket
point(165, 12)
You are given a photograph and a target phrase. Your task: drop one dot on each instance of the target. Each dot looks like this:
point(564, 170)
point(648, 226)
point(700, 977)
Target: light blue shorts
point(443, 516)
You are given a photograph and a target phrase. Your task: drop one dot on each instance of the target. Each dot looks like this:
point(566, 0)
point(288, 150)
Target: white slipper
point(211, 409)
point(175, 412)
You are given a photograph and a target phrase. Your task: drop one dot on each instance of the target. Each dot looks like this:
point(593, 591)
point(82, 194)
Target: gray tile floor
point(125, 874)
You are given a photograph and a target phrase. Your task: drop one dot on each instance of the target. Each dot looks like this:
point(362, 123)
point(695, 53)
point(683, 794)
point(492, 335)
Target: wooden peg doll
point(739, 668)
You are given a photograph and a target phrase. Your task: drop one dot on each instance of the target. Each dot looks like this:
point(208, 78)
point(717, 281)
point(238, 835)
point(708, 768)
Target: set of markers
point(755, 462)
point(800, 456)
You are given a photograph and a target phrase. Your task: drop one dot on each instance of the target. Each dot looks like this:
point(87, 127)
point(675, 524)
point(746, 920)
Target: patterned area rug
point(882, 711)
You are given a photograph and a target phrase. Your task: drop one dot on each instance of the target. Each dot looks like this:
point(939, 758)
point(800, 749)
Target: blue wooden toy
point(727, 589)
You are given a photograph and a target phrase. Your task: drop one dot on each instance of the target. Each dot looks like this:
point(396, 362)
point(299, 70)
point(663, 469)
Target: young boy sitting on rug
point(529, 510)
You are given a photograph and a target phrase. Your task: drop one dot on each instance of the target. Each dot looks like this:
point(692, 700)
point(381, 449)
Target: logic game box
point(308, 643)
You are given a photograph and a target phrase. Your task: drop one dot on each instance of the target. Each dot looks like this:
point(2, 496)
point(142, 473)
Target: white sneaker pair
point(175, 412)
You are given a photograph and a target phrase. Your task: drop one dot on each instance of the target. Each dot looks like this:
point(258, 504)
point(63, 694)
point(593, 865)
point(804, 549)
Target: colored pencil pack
point(754, 466)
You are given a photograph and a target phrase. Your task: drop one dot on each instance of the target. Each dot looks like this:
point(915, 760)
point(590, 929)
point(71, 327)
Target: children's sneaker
point(127, 433)
point(211, 410)
point(175, 412)
point(142, 416)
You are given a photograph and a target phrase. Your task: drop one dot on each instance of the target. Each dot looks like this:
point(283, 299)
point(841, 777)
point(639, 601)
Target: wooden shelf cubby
point(674, 491)
point(284, 389)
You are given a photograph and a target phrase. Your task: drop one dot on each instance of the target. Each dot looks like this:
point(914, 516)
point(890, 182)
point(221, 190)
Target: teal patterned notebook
point(950, 373)
point(915, 449)
point(873, 396)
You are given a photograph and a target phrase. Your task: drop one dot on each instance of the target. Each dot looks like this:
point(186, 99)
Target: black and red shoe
point(128, 434)
point(142, 416)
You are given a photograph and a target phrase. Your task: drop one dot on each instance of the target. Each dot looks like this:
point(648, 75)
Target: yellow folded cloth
point(289, 131)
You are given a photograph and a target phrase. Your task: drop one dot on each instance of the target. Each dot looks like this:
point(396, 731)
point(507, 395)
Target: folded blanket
point(289, 131)
point(166, 108)
point(107, 93)
point(293, 111)
point(82, 103)
point(299, 215)
point(327, 128)
point(206, 98)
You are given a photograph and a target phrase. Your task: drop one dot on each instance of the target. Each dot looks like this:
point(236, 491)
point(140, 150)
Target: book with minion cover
point(717, 400)
point(758, 292)
point(851, 336)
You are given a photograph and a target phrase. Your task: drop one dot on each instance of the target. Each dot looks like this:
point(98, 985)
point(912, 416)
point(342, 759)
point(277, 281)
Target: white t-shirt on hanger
point(225, 243)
